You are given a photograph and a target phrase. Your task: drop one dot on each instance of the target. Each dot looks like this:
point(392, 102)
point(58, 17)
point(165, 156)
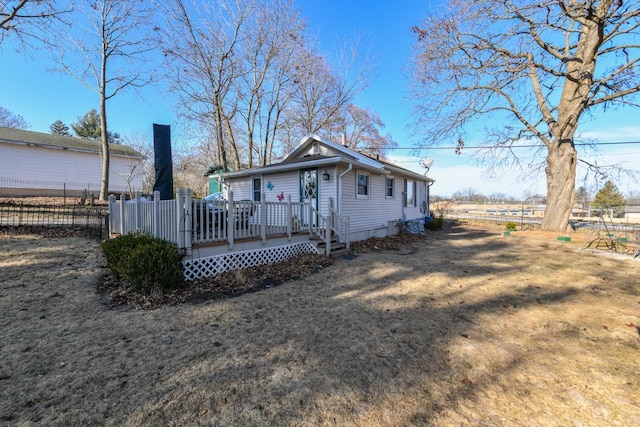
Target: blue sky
point(27, 87)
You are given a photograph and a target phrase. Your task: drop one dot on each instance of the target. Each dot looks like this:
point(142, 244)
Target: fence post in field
point(188, 229)
point(231, 229)
point(112, 203)
point(156, 214)
point(180, 217)
point(289, 217)
point(123, 227)
point(263, 218)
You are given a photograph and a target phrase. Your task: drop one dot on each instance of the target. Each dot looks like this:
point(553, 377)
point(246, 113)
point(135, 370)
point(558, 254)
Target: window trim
point(405, 194)
point(392, 188)
point(414, 193)
point(253, 188)
point(368, 187)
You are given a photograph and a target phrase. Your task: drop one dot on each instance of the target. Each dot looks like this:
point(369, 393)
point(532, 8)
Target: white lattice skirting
point(210, 266)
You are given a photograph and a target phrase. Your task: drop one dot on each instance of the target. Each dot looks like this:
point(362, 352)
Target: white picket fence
point(186, 221)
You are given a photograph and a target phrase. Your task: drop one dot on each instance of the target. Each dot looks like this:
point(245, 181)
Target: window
point(411, 194)
point(257, 189)
point(389, 188)
point(362, 182)
point(410, 198)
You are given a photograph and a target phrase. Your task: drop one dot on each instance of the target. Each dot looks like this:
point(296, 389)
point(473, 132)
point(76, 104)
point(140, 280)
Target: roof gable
point(340, 150)
point(26, 137)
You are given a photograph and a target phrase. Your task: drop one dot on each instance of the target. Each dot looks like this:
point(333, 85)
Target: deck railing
point(187, 222)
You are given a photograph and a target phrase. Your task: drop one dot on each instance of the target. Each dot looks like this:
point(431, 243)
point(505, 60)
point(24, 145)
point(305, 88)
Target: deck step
point(337, 248)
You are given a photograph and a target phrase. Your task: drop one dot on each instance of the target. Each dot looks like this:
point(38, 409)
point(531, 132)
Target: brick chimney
point(344, 140)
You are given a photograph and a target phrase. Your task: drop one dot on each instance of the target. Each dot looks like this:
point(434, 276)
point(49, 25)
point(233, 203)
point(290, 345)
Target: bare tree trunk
point(561, 178)
point(467, 68)
point(104, 144)
point(104, 137)
point(222, 151)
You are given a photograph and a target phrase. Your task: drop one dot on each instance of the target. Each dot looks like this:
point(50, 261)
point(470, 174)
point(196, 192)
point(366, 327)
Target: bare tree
point(143, 144)
point(108, 52)
point(27, 20)
point(202, 45)
point(468, 194)
point(361, 128)
point(323, 91)
point(231, 63)
point(268, 53)
point(535, 69)
point(9, 119)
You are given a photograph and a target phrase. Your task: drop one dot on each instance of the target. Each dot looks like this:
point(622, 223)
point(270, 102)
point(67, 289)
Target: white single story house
point(318, 199)
point(375, 195)
point(34, 163)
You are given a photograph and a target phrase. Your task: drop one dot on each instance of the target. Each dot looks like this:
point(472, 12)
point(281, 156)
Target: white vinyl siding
point(368, 213)
point(378, 210)
point(282, 184)
point(77, 170)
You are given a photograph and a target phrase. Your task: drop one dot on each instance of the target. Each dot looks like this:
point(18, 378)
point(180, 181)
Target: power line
point(479, 147)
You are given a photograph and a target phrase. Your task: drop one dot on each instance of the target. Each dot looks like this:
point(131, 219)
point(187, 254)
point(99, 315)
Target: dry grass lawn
point(464, 327)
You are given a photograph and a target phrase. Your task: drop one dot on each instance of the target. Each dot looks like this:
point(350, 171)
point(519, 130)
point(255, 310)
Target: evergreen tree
point(59, 128)
point(88, 126)
point(609, 198)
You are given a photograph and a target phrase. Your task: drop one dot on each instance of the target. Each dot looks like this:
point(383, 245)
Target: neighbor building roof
point(48, 140)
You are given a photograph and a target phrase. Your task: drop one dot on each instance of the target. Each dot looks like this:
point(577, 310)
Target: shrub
point(146, 263)
point(434, 224)
point(510, 226)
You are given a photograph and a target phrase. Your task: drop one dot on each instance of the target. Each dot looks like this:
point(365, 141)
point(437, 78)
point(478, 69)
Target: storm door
point(309, 192)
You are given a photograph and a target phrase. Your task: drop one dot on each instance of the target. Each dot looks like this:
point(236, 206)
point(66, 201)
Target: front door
point(309, 192)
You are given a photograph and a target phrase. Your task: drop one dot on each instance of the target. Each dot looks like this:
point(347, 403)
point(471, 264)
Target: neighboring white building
point(33, 163)
point(373, 193)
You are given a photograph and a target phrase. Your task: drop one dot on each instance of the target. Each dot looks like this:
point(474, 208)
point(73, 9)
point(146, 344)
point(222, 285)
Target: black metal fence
point(493, 221)
point(90, 219)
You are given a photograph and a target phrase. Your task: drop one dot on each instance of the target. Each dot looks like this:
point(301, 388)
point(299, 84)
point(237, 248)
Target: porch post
point(289, 217)
point(180, 216)
point(188, 227)
point(309, 220)
point(263, 219)
point(137, 207)
point(122, 218)
point(347, 232)
point(330, 212)
point(112, 202)
point(231, 229)
point(327, 235)
point(156, 214)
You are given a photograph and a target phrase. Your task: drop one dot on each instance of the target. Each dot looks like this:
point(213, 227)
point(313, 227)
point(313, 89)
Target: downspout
point(429, 184)
point(339, 189)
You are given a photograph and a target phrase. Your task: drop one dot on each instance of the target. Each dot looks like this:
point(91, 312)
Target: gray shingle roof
point(19, 136)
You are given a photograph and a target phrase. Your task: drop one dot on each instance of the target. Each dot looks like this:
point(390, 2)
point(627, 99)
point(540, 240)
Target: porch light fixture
point(326, 176)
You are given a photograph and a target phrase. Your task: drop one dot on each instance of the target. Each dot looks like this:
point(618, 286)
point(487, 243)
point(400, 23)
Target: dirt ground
point(462, 327)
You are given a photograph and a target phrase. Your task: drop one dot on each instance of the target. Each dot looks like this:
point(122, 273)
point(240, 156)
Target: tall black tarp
point(163, 161)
